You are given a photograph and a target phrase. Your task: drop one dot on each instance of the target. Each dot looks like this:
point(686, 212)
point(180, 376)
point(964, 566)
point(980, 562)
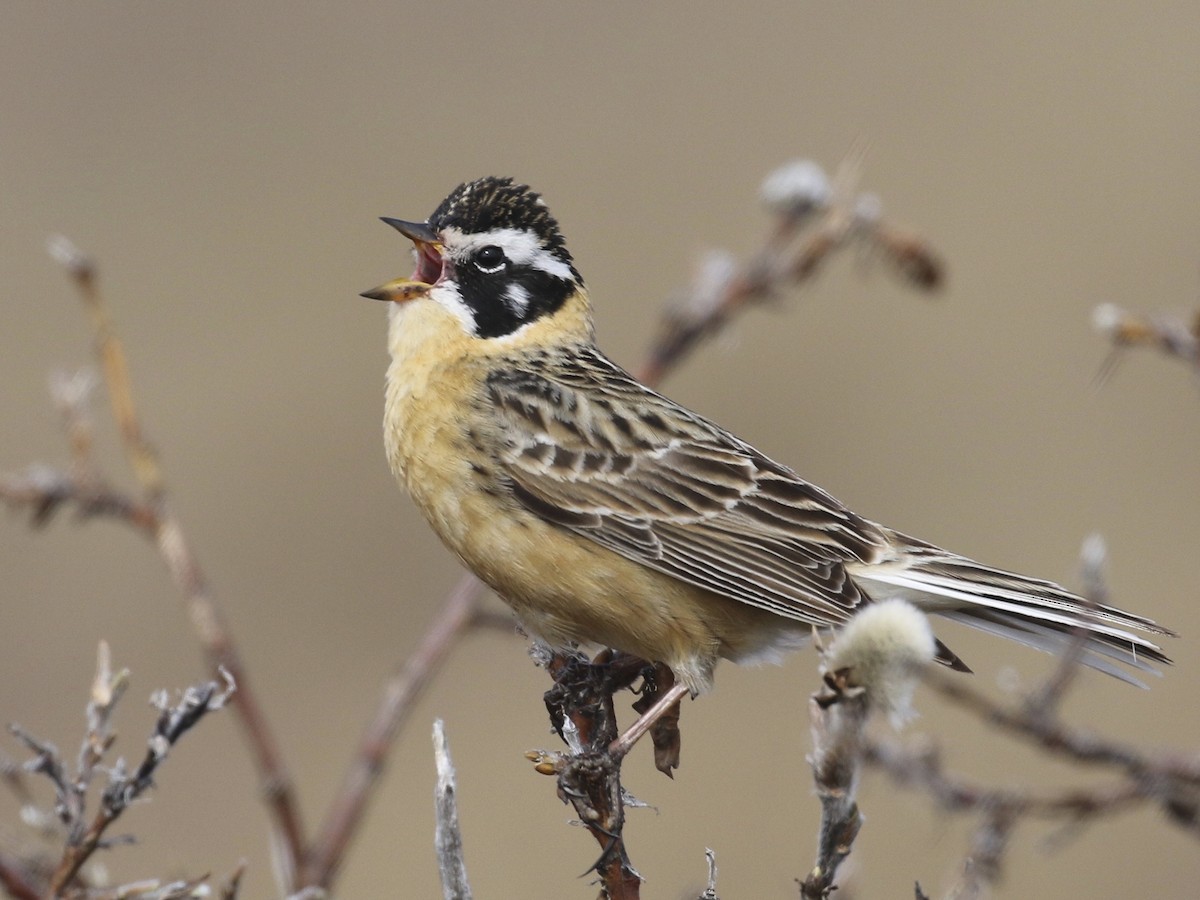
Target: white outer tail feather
point(1036, 613)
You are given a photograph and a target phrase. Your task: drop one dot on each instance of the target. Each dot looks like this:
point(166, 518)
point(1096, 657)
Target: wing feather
point(594, 451)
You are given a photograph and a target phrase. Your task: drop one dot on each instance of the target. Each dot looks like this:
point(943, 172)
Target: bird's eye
point(490, 259)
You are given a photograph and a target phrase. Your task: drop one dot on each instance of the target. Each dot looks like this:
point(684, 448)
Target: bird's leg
point(645, 722)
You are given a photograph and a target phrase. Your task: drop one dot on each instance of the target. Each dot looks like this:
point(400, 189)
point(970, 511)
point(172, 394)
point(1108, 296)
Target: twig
point(1171, 335)
point(448, 835)
point(710, 892)
point(1063, 740)
point(142, 457)
point(1044, 702)
point(229, 889)
point(204, 612)
point(13, 880)
point(873, 664)
point(982, 866)
point(921, 767)
point(837, 730)
point(589, 776)
point(813, 221)
point(1170, 781)
point(396, 703)
point(83, 835)
point(72, 394)
point(173, 722)
point(153, 889)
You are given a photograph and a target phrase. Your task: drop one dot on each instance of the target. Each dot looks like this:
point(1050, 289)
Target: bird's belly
point(566, 588)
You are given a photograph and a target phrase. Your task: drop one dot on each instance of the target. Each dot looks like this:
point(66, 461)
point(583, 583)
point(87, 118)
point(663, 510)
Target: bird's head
point(492, 255)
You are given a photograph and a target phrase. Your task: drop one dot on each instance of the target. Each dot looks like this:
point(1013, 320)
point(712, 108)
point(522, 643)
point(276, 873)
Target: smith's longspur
point(605, 513)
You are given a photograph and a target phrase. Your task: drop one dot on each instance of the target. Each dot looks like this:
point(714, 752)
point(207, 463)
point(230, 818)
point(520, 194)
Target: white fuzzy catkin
point(1107, 318)
point(796, 188)
point(885, 647)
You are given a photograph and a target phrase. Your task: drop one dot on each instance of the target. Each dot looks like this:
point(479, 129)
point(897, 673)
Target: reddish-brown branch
point(1056, 737)
point(589, 777)
point(791, 255)
point(14, 881)
point(155, 518)
point(396, 703)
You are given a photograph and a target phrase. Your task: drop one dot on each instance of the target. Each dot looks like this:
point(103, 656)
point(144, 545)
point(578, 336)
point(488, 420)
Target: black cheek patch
point(494, 312)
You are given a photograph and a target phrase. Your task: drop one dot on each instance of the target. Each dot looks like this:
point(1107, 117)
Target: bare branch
point(448, 836)
point(710, 892)
point(1044, 702)
point(154, 518)
point(83, 835)
point(1170, 335)
point(813, 221)
point(838, 720)
point(981, 868)
point(14, 880)
point(400, 694)
point(173, 722)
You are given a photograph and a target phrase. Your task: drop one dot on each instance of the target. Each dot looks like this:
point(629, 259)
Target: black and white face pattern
point(505, 261)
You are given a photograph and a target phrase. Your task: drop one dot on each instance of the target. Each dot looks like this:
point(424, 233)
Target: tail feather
point(1037, 613)
point(1034, 634)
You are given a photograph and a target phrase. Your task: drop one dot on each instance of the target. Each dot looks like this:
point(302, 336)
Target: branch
point(813, 220)
point(589, 776)
point(1060, 739)
point(84, 837)
point(873, 664)
point(14, 881)
point(459, 610)
point(153, 516)
point(1170, 335)
point(448, 835)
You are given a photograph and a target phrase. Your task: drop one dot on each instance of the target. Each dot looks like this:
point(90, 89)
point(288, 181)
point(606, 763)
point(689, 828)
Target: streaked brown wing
point(596, 452)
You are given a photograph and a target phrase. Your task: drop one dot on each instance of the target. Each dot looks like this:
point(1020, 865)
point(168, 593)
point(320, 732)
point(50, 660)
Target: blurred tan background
point(225, 162)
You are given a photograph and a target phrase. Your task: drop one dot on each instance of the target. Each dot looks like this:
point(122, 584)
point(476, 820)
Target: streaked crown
point(493, 204)
point(508, 263)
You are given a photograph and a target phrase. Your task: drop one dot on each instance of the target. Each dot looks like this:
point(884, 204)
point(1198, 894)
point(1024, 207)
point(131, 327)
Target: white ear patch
point(517, 298)
point(521, 246)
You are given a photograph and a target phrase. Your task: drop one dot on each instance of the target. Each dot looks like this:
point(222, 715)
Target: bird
point(606, 514)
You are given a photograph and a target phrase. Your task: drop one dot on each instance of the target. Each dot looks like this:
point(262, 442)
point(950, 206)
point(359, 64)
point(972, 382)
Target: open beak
point(429, 265)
